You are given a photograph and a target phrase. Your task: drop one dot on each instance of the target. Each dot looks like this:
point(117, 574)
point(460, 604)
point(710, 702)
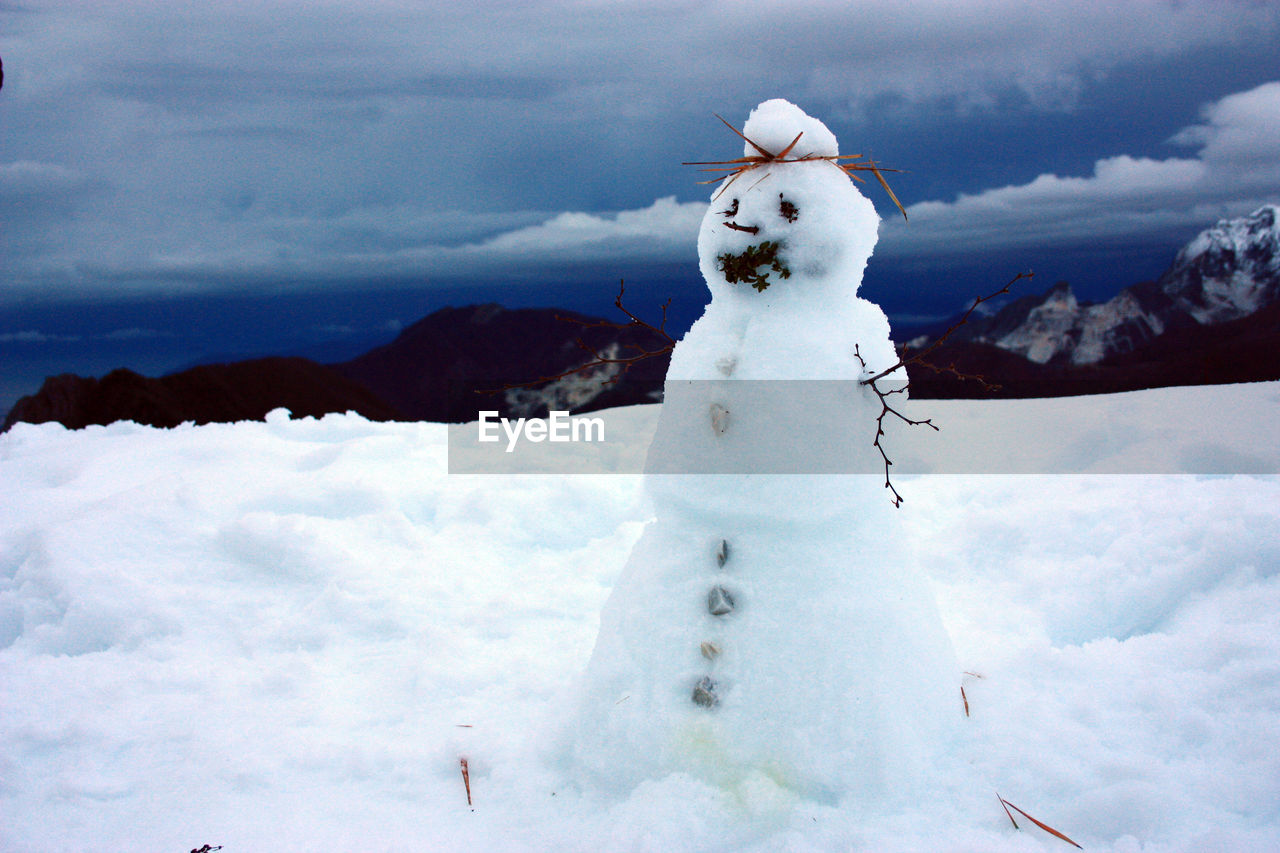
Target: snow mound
point(285, 636)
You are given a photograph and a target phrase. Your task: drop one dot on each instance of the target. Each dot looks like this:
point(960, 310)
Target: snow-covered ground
point(286, 635)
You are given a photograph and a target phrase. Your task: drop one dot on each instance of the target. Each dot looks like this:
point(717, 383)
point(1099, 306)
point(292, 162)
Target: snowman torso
point(769, 624)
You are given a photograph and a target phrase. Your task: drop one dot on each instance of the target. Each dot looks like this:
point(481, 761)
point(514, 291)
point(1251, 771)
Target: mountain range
point(1226, 273)
point(445, 367)
point(1213, 317)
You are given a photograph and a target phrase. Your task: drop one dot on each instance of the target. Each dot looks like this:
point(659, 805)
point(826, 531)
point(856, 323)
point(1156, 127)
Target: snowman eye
point(788, 210)
point(732, 212)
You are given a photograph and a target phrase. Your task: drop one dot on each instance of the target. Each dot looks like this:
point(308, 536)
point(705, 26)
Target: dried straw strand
point(738, 166)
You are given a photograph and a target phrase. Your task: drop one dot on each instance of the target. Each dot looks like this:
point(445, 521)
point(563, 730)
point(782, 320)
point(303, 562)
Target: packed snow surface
point(286, 635)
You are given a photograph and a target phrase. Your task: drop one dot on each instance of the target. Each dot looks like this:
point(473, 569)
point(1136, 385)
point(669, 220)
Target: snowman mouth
point(750, 229)
point(754, 265)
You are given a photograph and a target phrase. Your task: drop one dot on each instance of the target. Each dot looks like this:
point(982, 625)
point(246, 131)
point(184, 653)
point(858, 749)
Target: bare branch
point(905, 359)
point(885, 410)
point(919, 358)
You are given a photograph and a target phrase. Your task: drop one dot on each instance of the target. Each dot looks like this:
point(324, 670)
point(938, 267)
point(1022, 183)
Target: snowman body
point(769, 624)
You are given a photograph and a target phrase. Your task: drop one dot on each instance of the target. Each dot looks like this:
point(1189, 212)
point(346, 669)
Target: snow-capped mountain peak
point(1048, 328)
point(1229, 270)
point(1226, 272)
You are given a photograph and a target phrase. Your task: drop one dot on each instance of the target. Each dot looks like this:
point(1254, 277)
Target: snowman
point(770, 629)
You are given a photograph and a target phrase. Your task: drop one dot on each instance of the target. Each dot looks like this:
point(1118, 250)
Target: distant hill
point(244, 390)
point(436, 368)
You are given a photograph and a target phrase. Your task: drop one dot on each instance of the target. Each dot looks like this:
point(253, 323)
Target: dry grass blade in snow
point(1049, 829)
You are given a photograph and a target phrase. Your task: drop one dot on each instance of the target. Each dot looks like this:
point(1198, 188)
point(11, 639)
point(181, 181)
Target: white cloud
point(1240, 129)
point(1233, 166)
point(399, 242)
point(658, 229)
point(135, 334)
point(28, 177)
point(31, 336)
point(663, 231)
point(1236, 168)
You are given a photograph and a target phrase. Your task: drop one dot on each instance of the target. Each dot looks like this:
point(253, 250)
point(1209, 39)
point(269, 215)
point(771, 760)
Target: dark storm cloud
point(194, 86)
point(246, 132)
point(190, 145)
point(1229, 166)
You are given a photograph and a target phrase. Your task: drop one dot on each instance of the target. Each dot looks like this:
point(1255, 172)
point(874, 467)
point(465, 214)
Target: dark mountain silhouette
point(437, 368)
point(432, 371)
point(244, 390)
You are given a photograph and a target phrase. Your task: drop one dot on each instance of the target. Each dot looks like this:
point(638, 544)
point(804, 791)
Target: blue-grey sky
point(177, 147)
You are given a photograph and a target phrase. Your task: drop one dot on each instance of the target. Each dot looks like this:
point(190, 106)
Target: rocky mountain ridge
point(1227, 272)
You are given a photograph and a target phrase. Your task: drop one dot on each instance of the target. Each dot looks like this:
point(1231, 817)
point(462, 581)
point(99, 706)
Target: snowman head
point(787, 222)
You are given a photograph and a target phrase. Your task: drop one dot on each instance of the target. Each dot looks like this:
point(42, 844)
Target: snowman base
point(852, 688)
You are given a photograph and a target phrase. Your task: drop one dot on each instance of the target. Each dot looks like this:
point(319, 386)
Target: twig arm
point(906, 359)
point(919, 357)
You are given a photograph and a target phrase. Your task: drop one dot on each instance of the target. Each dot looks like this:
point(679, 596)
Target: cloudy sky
point(177, 147)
